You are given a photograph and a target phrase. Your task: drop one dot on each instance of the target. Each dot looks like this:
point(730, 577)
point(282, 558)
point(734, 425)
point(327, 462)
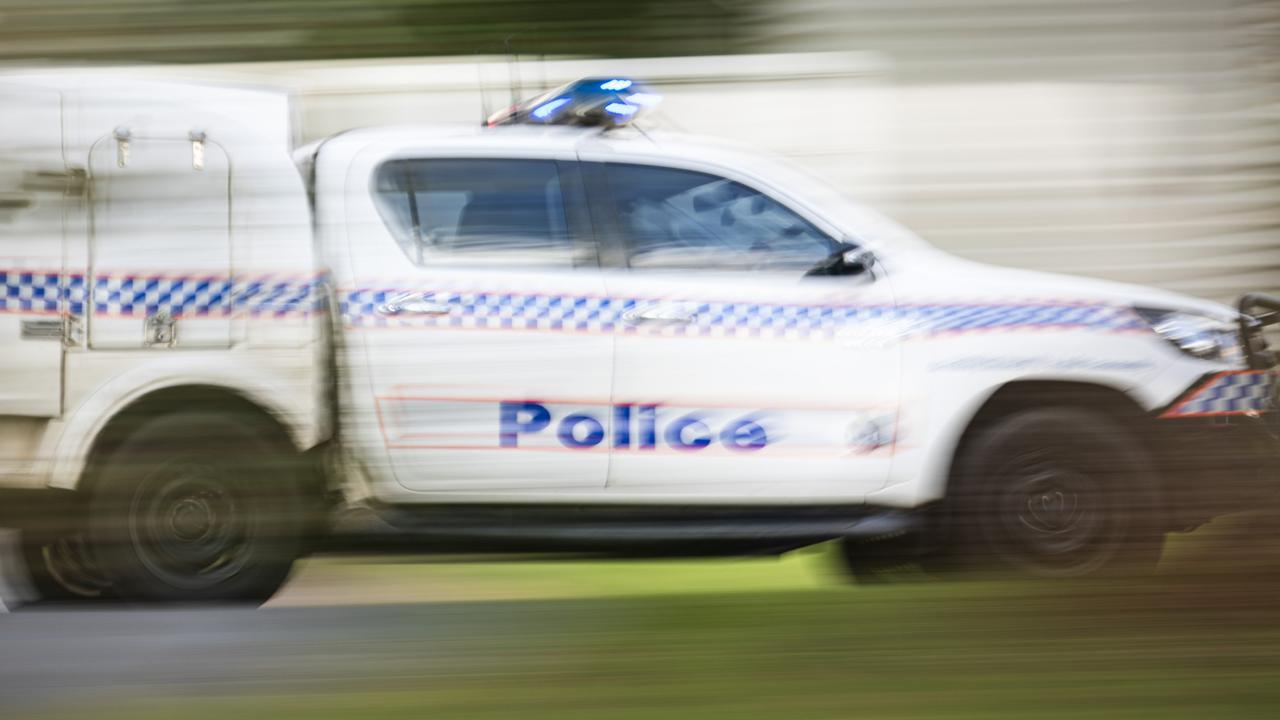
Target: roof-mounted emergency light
point(592, 102)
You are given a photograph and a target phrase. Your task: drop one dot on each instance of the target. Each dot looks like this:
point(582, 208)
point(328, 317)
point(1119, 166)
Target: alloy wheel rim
point(188, 527)
point(1054, 517)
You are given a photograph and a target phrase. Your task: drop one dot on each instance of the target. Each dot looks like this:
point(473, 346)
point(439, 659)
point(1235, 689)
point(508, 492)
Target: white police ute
point(556, 332)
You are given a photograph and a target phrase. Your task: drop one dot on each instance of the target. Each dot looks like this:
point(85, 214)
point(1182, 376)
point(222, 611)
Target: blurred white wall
point(830, 112)
point(1135, 140)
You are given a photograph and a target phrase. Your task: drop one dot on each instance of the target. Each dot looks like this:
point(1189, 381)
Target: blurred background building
point(1132, 140)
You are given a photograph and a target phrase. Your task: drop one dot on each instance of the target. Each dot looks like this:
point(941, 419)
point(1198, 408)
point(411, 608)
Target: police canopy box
point(552, 332)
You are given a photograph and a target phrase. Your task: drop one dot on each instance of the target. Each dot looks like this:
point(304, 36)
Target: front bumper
point(1257, 311)
point(1219, 443)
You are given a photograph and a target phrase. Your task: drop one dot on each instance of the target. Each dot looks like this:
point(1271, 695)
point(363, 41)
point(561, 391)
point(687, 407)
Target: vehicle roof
point(627, 141)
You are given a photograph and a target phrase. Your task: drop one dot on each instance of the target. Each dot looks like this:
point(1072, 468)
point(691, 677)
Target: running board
point(613, 530)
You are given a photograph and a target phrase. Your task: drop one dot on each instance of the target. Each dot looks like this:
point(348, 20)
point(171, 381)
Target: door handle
point(42, 330)
point(659, 314)
point(414, 303)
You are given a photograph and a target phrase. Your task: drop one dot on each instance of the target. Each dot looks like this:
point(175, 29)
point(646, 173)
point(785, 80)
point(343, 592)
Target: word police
point(634, 426)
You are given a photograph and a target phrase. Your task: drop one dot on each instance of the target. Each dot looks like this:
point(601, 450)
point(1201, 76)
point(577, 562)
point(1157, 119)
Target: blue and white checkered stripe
point(267, 295)
point(488, 310)
point(824, 321)
point(999, 316)
point(755, 320)
point(204, 295)
point(26, 291)
point(360, 308)
point(278, 297)
point(1228, 393)
point(128, 296)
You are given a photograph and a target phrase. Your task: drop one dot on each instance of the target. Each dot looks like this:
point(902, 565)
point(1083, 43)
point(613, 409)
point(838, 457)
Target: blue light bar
point(599, 102)
point(621, 109)
point(547, 109)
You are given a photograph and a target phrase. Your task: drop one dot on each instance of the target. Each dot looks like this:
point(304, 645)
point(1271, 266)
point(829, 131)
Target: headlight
point(1199, 336)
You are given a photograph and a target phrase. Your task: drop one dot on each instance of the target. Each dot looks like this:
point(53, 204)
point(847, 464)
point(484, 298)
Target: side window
point(466, 210)
point(685, 220)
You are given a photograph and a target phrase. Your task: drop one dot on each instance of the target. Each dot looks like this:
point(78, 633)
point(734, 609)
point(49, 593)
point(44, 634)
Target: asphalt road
point(61, 657)
point(961, 651)
point(362, 638)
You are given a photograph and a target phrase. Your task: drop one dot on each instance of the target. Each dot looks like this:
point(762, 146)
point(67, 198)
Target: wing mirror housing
point(845, 259)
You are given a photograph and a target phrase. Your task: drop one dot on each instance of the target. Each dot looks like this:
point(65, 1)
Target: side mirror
point(846, 259)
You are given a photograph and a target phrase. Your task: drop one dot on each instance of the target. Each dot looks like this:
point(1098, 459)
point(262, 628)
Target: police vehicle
point(556, 332)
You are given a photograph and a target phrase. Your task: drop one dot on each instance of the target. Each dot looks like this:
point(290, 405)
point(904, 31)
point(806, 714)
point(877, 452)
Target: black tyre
point(1055, 492)
point(198, 507)
point(63, 569)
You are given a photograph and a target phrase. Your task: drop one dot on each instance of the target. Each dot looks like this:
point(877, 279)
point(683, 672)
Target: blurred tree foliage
point(256, 30)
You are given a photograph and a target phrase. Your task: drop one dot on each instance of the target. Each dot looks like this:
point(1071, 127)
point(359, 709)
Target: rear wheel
point(63, 569)
point(1055, 492)
point(197, 507)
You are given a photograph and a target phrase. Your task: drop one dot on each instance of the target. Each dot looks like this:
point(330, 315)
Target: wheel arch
point(110, 428)
point(184, 398)
point(1020, 395)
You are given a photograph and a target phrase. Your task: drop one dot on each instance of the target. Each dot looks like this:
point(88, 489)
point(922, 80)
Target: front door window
point(675, 219)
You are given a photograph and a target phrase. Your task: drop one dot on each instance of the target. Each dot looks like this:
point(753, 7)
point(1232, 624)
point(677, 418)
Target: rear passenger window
point(461, 210)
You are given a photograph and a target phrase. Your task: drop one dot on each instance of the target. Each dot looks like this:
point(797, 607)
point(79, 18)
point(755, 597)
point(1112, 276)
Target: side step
point(611, 530)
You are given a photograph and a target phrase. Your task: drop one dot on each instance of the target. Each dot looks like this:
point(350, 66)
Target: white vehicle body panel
point(31, 213)
point(217, 237)
point(927, 373)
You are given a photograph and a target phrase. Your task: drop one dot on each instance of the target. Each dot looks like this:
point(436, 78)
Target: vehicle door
point(472, 303)
point(34, 185)
point(737, 374)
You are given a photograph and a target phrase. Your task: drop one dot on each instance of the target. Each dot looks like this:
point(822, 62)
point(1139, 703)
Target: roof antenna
point(484, 95)
point(513, 71)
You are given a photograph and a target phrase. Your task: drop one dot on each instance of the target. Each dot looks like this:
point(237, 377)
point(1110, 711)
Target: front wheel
point(1055, 492)
point(197, 507)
